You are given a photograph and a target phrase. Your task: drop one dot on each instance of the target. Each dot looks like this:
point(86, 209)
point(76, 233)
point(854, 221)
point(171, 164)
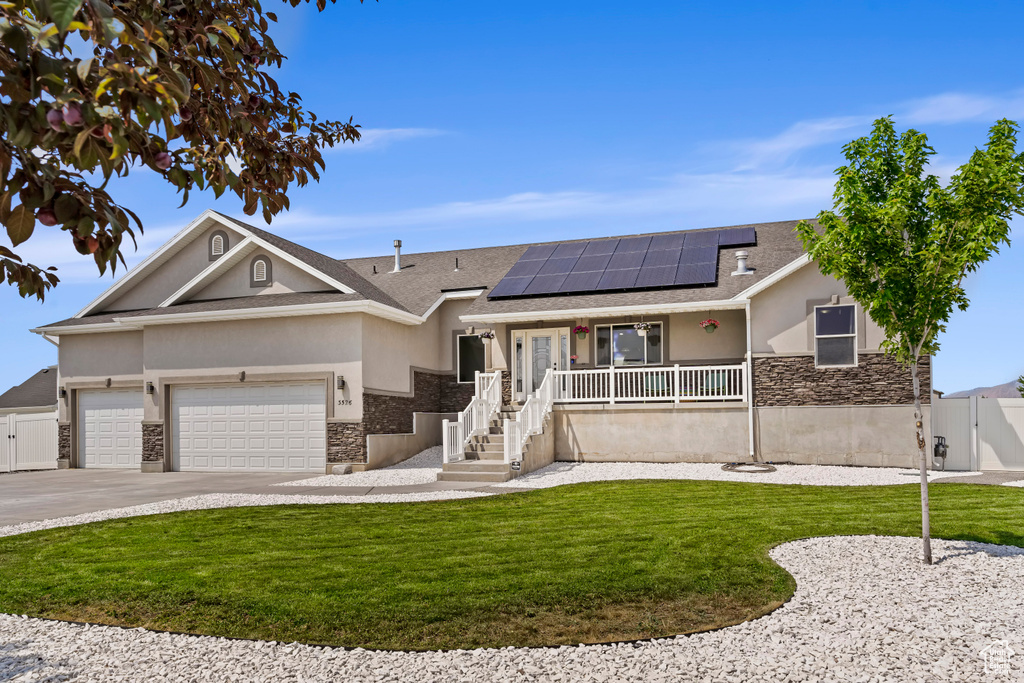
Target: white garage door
point(278, 427)
point(110, 428)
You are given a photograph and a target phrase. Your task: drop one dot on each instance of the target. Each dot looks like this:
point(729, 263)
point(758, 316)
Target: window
point(260, 272)
point(835, 336)
point(218, 244)
point(470, 357)
point(624, 345)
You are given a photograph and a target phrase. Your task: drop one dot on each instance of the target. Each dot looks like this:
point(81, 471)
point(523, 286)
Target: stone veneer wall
point(878, 379)
point(152, 441)
point(64, 441)
point(389, 414)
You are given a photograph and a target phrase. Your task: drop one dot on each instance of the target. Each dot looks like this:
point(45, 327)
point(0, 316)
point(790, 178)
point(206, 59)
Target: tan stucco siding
point(285, 278)
point(782, 316)
point(92, 358)
point(689, 342)
point(391, 349)
point(172, 275)
point(449, 326)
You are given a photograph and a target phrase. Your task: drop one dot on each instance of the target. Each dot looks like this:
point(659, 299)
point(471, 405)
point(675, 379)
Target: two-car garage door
point(277, 427)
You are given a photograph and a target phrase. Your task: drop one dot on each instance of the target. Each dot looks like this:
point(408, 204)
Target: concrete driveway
point(35, 496)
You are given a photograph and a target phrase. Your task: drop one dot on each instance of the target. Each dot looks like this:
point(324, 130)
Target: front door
point(544, 349)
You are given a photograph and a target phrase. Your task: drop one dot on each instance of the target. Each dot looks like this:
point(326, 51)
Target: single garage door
point(110, 428)
point(279, 427)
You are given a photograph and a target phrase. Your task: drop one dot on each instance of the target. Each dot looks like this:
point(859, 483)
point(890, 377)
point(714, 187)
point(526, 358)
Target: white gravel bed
point(422, 468)
point(562, 473)
point(211, 501)
point(865, 609)
point(1018, 484)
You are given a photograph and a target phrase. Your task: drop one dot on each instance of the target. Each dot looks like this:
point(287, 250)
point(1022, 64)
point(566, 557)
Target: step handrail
point(475, 419)
point(529, 421)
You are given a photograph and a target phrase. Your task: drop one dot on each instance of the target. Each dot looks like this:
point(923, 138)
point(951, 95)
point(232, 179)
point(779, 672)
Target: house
point(28, 423)
point(230, 348)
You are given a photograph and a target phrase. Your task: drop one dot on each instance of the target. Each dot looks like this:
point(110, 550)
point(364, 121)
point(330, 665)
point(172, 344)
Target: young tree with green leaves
point(903, 243)
point(91, 89)
point(1020, 386)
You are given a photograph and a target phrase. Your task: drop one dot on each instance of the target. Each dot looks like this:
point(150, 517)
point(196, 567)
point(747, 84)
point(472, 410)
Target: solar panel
point(546, 284)
point(619, 279)
point(627, 244)
point(511, 286)
point(558, 266)
point(704, 238)
point(737, 237)
point(589, 263)
point(582, 282)
point(659, 276)
point(665, 257)
point(680, 259)
point(626, 259)
point(595, 247)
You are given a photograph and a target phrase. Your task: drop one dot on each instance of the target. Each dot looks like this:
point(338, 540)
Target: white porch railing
point(474, 419)
point(530, 419)
point(669, 384)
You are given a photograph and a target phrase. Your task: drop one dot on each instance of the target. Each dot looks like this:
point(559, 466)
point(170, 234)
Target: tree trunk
point(926, 532)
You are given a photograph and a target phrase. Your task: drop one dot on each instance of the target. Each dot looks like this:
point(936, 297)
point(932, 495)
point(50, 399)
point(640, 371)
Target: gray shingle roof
point(38, 391)
point(424, 276)
point(332, 268)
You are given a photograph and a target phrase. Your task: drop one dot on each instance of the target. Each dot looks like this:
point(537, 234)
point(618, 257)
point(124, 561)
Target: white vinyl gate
point(982, 433)
point(28, 441)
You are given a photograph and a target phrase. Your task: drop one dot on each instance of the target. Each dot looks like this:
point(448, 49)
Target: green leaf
point(63, 12)
point(20, 224)
point(227, 30)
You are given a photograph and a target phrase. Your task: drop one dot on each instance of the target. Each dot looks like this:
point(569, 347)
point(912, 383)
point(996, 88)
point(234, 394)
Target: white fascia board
point(196, 284)
point(450, 296)
point(85, 329)
point(778, 275)
point(171, 247)
point(605, 312)
point(370, 307)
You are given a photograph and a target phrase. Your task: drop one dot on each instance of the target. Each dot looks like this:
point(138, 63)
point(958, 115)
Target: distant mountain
point(1008, 390)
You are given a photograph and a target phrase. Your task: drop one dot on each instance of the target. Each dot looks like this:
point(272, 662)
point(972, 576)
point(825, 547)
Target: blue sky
point(490, 123)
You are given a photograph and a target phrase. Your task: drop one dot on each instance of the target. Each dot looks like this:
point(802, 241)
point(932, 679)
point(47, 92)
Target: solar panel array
point(670, 260)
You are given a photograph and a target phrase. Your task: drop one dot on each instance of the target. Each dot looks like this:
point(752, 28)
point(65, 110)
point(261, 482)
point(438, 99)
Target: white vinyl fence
point(28, 441)
point(981, 433)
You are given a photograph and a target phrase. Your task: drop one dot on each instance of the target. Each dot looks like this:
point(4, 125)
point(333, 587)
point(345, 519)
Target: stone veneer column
point(63, 445)
point(877, 379)
point(152, 446)
point(506, 388)
point(346, 442)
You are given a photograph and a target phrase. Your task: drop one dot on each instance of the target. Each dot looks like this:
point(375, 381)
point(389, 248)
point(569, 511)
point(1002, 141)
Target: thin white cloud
point(379, 138)
point(951, 108)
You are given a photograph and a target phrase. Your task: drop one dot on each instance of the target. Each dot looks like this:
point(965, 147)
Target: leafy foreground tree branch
point(91, 89)
point(902, 243)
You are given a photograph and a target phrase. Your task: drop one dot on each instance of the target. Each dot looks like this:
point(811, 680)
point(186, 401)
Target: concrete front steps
point(485, 455)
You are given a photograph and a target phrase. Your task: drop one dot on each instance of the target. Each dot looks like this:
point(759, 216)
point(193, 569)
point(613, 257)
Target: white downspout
point(749, 384)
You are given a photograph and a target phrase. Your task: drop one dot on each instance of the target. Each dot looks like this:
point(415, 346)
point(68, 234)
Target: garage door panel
point(110, 424)
point(254, 427)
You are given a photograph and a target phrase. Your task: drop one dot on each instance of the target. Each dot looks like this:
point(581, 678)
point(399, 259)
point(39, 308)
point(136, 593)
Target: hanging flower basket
point(581, 331)
point(573, 359)
point(486, 334)
point(709, 325)
point(642, 328)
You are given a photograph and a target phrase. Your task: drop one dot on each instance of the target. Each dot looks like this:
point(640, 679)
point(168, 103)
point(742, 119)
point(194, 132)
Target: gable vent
point(217, 246)
point(259, 271)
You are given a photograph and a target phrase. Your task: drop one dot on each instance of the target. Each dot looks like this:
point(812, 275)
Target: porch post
point(678, 388)
point(748, 372)
point(611, 382)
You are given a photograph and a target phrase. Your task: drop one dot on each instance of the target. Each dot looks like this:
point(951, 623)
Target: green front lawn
point(591, 562)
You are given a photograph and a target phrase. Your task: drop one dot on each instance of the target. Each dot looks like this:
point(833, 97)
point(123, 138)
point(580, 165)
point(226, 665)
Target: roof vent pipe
point(398, 256)
point(741, 264)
